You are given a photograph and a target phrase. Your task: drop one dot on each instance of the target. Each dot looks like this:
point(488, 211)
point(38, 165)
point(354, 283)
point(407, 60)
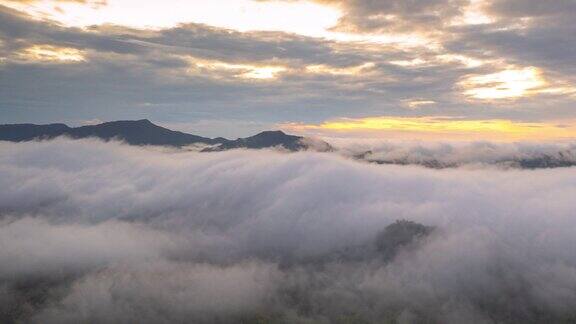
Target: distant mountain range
point(537, 160)
point(144, 132)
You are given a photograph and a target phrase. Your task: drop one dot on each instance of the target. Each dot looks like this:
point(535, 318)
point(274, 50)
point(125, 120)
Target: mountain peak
point(139, 122)
point(26, 132)
point(265, 139)
point(144, 132)
point(271, 132)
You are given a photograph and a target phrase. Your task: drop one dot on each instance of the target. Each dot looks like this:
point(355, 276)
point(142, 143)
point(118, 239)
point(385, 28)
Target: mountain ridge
point(144, 132)
point(264, 139)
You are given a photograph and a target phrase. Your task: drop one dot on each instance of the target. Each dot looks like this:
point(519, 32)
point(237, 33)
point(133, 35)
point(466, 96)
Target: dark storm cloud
point(125, 234)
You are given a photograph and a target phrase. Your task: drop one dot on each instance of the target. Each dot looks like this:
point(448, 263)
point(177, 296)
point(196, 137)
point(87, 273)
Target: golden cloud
point(418, 103)
point(267, 71)
point(236, 70)
point(326, 69)
point(51, 54)
point(511, 83)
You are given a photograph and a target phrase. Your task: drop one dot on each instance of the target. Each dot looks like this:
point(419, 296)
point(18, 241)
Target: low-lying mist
point(522, 155)
point(94, 232)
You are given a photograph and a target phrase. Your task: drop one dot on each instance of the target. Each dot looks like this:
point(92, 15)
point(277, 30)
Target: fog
point(461, 154)
point(94, 232)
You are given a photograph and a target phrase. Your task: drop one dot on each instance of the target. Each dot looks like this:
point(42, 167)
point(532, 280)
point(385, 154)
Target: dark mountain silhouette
point(264, 140)
point(27, 132)
point(144, 132)
point(139, 132)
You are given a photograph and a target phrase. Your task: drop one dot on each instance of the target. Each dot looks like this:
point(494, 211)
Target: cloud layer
point(461, 154)
point(94, 231)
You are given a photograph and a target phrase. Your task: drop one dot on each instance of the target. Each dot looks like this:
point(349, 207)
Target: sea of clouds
point(474, 154)
point(94, 232)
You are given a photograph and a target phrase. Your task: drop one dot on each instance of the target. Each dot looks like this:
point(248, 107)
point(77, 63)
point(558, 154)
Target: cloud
point(31, 244)
point(48, 53)
point(524, 32)
point(100, 2)
point(440, 154)
point(530, 8)
point(130, 60)
point(395, 15)
point(194, 72)
point(111, 233)
point(172, 292)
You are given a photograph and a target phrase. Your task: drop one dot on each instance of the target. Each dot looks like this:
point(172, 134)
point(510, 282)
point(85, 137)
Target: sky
point(501, 70)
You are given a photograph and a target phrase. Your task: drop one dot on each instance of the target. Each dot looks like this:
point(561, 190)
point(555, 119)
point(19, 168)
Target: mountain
point(134, 132)
point(144, 132)
point(139, 132)
point(27, 132)
point(265, 140)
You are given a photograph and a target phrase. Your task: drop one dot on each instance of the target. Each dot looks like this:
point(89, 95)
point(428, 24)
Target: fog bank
point(109, 233)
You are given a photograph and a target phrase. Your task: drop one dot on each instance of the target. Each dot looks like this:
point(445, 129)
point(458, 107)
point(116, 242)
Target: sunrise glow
point(513, 83)
point(244, 15)
point(434, 128)
point(51, 54)
point(238, 70)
